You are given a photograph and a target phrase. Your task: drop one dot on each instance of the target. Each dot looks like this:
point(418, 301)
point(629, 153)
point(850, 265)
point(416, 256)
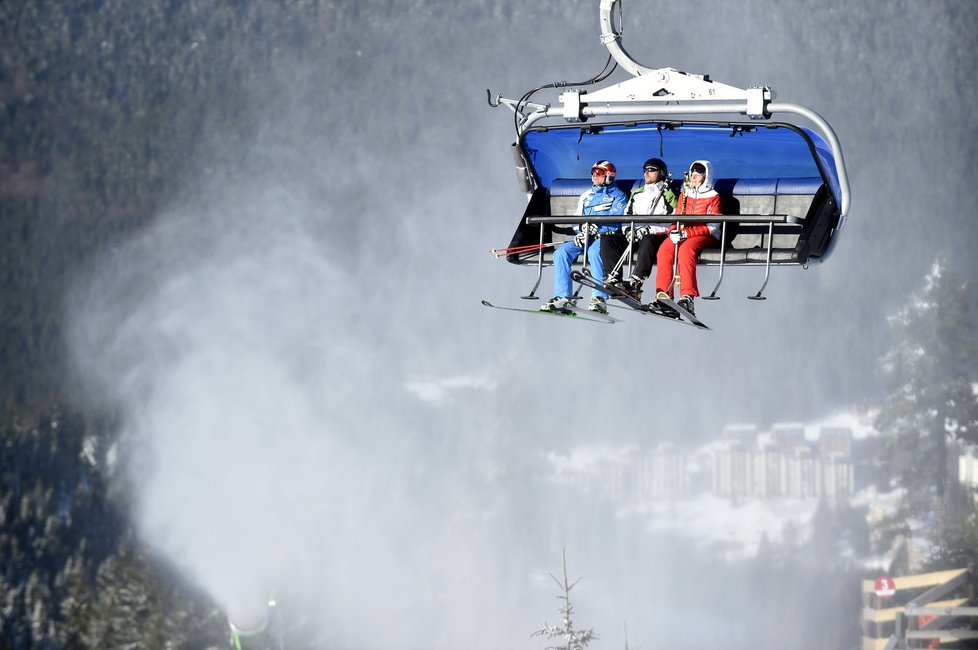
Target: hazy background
point(317, 405)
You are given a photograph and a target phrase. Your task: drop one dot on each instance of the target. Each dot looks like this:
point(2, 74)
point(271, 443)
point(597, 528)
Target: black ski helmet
point(659, 164)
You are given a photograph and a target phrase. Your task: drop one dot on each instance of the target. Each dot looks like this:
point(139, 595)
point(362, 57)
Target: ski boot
point(558, 304)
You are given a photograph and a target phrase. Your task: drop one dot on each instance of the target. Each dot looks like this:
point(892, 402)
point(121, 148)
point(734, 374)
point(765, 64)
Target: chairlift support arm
point(667, 91)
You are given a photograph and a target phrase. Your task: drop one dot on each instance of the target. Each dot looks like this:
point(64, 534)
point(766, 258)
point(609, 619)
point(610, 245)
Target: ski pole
point(624, 256)
point(521, 248)
point(675, 264)
point(674, 284)
point(628, 250)
point(515, 250)
point(584, 271)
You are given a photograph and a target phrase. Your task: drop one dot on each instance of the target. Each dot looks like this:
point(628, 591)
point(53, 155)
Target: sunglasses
point(652, 169)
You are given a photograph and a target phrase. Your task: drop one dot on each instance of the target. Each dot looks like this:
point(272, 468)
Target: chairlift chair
point(779, 166)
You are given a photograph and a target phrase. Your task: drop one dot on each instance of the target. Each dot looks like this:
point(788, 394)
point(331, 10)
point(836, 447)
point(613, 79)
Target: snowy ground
point(733, 528)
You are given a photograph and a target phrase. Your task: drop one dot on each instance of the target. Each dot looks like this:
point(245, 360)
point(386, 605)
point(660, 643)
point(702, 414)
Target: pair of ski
point(678, 315)
point(572, 312)
point(576, 313)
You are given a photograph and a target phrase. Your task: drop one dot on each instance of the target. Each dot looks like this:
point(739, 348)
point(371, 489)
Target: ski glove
point(677, 235)
point(580, 239)
point(590, 228)
point(634, 235)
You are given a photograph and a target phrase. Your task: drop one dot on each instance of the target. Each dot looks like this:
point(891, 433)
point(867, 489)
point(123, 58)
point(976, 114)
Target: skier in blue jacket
point(603, 199)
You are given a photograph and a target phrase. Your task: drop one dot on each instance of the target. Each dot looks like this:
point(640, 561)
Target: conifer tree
point(127, 613)
point(930, 375)
point(76, 608)
point(574, 639)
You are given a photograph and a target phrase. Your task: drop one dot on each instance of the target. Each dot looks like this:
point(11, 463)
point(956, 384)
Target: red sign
point(885, 587)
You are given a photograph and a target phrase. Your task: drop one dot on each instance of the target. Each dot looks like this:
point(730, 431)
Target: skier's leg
point(664, 260)
point(564, 256)
point(688, 254)
point(612, 248)
point(597, 268)
point(648, 249)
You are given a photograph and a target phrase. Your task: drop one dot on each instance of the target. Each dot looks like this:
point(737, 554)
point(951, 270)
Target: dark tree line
point(106, 109)
point(72, 575)
point(112, 111)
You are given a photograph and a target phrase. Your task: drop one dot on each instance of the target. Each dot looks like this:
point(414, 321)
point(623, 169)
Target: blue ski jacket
point(600, 201)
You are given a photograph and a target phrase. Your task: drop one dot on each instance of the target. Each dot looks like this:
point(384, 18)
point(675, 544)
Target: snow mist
point(269, 449)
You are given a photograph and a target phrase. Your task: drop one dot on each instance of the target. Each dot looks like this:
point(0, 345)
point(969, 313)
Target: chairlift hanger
point(671, 100)
point(662, 92)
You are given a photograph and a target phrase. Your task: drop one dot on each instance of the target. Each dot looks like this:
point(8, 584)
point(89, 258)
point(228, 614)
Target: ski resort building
point(784, 464)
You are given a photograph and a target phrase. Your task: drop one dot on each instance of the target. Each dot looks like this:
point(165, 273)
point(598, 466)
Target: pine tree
point(930, 375)
point(573, 639)
point(76, 608)
point(128, 613)
point(67, 578)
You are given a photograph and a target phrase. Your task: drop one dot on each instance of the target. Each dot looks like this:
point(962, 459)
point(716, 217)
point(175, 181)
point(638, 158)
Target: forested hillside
point(107, 109)
point(72, 574)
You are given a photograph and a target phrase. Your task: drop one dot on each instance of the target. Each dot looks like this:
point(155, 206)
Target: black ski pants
point(614, 245)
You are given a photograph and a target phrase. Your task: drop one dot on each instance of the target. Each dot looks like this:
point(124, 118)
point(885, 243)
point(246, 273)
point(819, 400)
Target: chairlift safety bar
point(762, 219)
point(556, 220)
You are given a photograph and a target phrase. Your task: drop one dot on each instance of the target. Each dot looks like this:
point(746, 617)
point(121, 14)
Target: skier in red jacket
point(697, 197)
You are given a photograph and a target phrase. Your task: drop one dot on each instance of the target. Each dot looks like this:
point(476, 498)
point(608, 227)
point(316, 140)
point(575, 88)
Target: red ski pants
point(689, 250)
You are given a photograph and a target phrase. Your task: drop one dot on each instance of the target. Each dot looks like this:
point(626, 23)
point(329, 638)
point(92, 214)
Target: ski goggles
point(598, 171)
point(652, 169)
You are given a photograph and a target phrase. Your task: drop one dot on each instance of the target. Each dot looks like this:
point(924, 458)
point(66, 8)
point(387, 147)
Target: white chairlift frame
point(667, 91)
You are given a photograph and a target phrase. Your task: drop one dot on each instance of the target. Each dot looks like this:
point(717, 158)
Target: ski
point(623, 297)
point(687, 317)
point(620, 296)
point(572, 314)
point(588, 314)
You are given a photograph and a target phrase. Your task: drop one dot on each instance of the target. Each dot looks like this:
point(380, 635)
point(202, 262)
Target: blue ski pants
point(565, 255)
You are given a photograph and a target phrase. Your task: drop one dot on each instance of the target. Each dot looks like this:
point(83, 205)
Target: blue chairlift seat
point(776, 170)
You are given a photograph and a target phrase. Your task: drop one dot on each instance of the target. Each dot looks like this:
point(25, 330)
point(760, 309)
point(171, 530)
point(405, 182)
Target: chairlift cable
point(598, 78)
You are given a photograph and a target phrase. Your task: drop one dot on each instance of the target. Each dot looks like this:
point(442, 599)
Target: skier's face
point(598, 176)
point(696, 178)
point(652, 175)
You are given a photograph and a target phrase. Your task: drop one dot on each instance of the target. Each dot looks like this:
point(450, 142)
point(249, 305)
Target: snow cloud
point(271, 450)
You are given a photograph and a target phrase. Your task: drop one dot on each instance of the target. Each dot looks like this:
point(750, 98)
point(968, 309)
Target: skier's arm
point(618, 207)
point(579, 211)
point(670, 198)
point(711, 229)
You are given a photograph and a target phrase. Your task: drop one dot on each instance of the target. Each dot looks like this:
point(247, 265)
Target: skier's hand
point(590, 228)
point(580, 239)
point(634, 235)
point(677, 235)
